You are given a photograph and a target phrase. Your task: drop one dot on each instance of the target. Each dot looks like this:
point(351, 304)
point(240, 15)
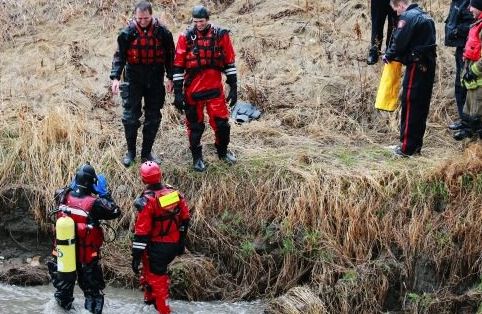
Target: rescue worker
point(88, 202)
point(413, 44)
point(160, 234)
point(472, 79)
point(145, 53)
point(203, 53)
point(380, 12)
point(457, 27)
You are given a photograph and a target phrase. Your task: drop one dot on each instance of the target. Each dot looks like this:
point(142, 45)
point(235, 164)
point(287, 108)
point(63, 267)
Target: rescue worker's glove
point(233, 95)
point(136, 261)
point(182, 237)
point(469, 75)
point(101, 186)
point(179, 100)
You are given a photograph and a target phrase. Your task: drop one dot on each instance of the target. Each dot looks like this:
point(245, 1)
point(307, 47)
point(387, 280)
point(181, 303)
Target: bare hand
point(115, 87)
point(169, 86)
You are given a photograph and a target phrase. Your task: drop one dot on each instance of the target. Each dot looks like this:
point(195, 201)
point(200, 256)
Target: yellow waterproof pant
point(389, 88)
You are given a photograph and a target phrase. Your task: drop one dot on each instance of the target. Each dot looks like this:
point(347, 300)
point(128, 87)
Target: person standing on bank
point(203, 53)
point(457, 27)
point(413, 44)
point(380, 12)
point(145, 53)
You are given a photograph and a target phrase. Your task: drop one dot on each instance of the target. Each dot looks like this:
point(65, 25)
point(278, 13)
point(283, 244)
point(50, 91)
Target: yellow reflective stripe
point(169, 199)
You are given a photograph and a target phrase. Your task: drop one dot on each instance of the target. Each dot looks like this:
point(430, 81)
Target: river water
point(14, 299)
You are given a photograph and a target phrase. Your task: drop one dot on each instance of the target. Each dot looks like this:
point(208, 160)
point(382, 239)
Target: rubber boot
point(131, 137)
point(225, 155)
point(372, 56)
point(148, 137)
point(197, 159)
point(94, 303)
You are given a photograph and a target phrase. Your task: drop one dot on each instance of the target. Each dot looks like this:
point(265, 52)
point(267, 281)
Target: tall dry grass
point(316, 206)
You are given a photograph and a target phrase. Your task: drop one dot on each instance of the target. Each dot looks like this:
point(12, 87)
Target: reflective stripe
point(139, 244)
point(169, 199)
point(230, 71)
point(139, 247)
point(178, 75)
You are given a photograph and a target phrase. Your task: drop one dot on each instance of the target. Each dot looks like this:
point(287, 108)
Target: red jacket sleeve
point(181, 51)
point(143, 224)
point(227, 45)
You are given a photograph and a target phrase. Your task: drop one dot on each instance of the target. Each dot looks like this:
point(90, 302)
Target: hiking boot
point(372, 56)
point(228, 158)
point(150, 157)
point(198, 165)
point(129, 158)
point(397, 151)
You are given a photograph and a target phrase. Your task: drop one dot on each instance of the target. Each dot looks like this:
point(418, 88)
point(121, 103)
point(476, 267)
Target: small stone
point(29, 260)
point(2, 258)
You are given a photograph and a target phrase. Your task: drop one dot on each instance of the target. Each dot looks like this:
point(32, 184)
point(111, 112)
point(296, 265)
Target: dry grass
point(316, 200)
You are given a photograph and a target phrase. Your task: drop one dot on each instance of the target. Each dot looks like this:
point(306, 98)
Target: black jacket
point(414, 38)
point(457, 24)
point(126, 36)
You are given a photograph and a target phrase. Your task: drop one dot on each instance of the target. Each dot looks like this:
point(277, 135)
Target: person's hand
point(169, 86)
point(101, 186)
point(385, 59)
point(233, 95)
point(115, 87)
point(470, 76)
point(136, 261)
point(179, 101)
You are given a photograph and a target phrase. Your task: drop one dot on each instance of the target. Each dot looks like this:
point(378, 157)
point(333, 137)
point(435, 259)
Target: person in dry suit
point(472, 78)
point(145, 53)
point(413, 44)
point(87, 201)
point(380, 12)
point(159, 236)
point(203, 53)
point(457, 27)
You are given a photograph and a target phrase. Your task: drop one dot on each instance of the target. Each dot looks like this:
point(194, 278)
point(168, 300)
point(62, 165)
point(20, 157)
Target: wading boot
point(197, 159)
point(225, 155)
point(151, 157)
point(372, 56)
point(129, 158)
point(131, 137)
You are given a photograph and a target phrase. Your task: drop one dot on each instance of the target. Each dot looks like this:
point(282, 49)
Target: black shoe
point(229, 158)
point(457, 125)
point(198, 165)
point(462, 134)
point(372, 56)
point(128, 159)
point(397, 151)
point(150, 157)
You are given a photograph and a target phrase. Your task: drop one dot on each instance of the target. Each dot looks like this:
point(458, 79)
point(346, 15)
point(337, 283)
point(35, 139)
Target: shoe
point(128, 159)
point(457, 125)
point(150, 157)
point(462, 134)
point(397, 151)
point(372, 56)
point(198, 165)
point(229, 158)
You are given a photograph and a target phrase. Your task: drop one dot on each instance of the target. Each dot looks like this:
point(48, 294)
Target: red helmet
point(151, 173)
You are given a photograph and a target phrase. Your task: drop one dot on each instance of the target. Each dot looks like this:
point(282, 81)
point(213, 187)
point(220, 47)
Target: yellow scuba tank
point(65, 244)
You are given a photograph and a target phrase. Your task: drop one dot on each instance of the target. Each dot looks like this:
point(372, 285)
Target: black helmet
point(200, 12)
point(86, 177)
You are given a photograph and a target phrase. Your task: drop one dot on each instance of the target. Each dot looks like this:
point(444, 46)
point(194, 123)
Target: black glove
point(470, 76)
point(182, 237)
point(233, 95)
point(136, 261)
point(179, 101)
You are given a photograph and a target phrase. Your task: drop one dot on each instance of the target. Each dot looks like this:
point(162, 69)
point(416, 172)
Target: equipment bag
point(389, 88)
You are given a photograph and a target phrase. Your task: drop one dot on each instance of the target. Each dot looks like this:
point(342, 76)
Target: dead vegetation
point(316, 207)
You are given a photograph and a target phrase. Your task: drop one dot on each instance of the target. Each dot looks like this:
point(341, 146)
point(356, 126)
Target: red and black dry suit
point(145, 55)
point(86, 210)
point(201, 59)
point(160, 231)
point(413, 44)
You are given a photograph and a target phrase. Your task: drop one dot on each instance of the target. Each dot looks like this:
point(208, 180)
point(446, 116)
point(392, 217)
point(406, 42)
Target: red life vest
point(204, 50)
point(473, 45)
point(166, 218)
point(89, 239)
point(146, 48)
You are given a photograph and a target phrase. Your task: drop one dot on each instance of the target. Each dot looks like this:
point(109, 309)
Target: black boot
point(372, 56)
point(148, 137)
point(225, 155)
point(94, 303)
point(197, 159)
point(462, 134)
point(131, 137)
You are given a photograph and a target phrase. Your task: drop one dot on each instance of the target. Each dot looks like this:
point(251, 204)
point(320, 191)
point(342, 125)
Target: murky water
point(15, 299)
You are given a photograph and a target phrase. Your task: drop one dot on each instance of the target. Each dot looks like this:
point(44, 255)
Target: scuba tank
point(65, 244)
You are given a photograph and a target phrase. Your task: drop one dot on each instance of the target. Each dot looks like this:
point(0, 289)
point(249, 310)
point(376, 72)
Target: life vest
point(89, 238)
point(146, 47)
point(473, 45)
point(204, 50)
point(166, 220)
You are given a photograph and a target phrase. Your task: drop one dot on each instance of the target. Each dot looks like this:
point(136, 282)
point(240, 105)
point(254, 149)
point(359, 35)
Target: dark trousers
point(381, 11)
point(460, 90)
point(416, 95)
